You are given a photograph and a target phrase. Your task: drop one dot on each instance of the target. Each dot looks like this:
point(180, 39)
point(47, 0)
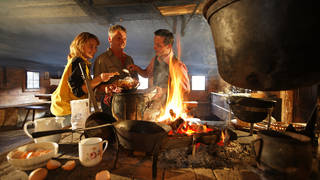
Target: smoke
point(38, 33)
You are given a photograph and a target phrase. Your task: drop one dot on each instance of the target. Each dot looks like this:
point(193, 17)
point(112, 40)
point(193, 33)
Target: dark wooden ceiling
point(35, 34)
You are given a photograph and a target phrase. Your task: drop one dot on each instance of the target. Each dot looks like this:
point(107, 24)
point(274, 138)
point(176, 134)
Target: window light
point(33, 80)
point(198, 82)
point(143, 82)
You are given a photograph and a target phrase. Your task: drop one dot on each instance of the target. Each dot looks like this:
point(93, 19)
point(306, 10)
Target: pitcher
point(45, 124)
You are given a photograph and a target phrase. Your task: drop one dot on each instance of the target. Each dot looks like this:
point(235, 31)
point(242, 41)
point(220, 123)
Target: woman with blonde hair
point(72, 85)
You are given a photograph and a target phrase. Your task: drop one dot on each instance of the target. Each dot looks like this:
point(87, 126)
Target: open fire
point(175, 112)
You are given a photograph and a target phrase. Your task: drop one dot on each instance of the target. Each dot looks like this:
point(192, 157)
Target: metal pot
point(129, 106)
point(266, 44)
point(141, 135)
point(251, 110)
point(288, 153)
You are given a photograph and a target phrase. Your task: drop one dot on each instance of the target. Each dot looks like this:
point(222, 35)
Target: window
point(33, 80)
point(143, 82)
point(198, 82)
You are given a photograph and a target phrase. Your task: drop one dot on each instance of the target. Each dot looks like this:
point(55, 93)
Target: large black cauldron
point(266, 44)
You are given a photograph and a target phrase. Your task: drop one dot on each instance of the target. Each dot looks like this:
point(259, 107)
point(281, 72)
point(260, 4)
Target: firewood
point(208, 139)
point(176, 124)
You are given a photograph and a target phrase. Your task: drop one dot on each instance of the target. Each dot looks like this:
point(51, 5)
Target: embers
point(180, 126)
point(214, 137)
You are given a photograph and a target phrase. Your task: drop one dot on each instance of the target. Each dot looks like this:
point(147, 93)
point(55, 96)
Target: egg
point(69, 165)
point(103, 175)
point(38, 174)
point(53, 164)
point(15, 175)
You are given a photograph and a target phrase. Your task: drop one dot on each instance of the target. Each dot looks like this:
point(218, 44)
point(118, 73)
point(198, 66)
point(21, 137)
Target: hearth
point(197, 145)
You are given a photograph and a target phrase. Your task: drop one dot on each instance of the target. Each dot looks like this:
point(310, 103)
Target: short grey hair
point(114, 28)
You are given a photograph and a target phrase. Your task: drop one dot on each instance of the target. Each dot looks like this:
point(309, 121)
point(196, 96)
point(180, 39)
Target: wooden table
point(43, 96)
point(28, 107)
point(34, 108)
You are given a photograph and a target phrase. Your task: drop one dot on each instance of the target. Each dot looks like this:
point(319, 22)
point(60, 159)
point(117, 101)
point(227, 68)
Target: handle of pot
point(47, 133)
point(219, 7)
point(253, 143)
point(25, 128)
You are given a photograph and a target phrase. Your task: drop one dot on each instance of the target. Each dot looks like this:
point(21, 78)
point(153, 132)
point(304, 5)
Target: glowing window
point(33, 80)
point(198, 82)
point(143, 82)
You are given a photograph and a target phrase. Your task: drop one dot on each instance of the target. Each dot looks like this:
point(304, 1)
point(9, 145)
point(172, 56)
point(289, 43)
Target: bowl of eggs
point(32, 156)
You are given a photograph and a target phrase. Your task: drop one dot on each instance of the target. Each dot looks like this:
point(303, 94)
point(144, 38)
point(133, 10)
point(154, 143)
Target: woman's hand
point(106, 76)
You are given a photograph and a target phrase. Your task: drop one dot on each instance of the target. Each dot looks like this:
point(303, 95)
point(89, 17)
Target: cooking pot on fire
point(288, 153)
point(129, 105)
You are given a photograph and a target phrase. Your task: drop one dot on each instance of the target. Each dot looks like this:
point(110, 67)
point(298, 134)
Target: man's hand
point(133, 67)
point(106, 76)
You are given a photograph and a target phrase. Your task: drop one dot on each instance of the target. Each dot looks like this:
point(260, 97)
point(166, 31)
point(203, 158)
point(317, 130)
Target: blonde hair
point(116, 28)
point(77, 45)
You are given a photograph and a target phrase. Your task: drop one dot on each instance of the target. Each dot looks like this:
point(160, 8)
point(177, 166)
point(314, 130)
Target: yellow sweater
point(61, 97)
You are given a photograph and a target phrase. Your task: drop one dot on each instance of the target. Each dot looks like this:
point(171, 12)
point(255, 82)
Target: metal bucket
point(266, 44)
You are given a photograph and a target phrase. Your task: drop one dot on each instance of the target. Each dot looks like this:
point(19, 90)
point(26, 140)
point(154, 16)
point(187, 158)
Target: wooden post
point(287, 106)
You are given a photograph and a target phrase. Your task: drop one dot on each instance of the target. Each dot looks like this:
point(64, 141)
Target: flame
point(222, 137)
point(175, 95)
point(174, 107)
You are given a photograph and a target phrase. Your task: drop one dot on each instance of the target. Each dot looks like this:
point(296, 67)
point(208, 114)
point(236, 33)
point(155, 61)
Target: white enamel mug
point(91, 151)
point(45, 124)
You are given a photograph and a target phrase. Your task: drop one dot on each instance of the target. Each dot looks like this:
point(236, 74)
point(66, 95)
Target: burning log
point(173, 142)
point(175, 125)
point(208, 138)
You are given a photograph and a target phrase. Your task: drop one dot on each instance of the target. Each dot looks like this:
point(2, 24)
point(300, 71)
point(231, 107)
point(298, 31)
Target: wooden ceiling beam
point(42, 3)
point(103, 3)
point(180, 10)
point(123, 3)
point(46, 12)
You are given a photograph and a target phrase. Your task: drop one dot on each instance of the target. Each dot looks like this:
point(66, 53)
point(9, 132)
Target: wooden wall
point(12, 87)
point(13, 92)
